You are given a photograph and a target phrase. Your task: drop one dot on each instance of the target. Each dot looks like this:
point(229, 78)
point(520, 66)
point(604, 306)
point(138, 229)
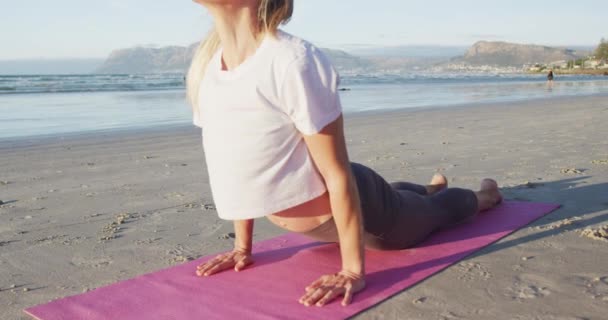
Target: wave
point(29, 84)
point(89, 83)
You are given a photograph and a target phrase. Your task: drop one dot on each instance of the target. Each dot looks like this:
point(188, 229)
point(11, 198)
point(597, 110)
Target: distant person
point(550, 77)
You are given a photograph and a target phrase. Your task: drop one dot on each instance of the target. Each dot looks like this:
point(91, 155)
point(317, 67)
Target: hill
point(506, 54)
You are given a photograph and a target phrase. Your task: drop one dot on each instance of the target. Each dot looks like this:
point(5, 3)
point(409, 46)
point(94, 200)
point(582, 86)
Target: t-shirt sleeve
point(309, 93)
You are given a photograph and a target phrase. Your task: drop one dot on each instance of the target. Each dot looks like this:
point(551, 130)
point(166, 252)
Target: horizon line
point(344, 47)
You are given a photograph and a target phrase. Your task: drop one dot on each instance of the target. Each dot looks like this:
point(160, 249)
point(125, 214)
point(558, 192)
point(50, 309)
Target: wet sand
point(85, 211)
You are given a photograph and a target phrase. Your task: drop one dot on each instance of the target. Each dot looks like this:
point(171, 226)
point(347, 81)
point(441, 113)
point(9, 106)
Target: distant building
point(561, 64)
point(591, 64)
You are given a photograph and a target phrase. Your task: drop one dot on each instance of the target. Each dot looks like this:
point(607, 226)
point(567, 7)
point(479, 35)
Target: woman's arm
point(243, 231)
point(239, 258)
point(328, 150)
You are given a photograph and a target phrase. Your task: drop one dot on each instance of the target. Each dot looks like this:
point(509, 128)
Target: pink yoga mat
point(284, 265)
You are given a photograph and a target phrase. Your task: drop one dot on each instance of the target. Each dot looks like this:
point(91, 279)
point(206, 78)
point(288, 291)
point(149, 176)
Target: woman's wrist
point(352, 274)
point(243, 230)
point(355, 267)
point(241, 249)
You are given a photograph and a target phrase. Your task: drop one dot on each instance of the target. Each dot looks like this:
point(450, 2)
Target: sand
point(85, 211)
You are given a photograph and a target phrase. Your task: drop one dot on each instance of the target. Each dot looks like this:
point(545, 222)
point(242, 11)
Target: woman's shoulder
point(291, 49)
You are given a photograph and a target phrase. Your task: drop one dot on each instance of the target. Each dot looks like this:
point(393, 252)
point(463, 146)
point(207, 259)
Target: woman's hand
point(328, 287)
point(237, 259)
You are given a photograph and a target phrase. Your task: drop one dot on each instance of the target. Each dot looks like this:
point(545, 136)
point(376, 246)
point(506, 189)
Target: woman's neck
point(237, 27)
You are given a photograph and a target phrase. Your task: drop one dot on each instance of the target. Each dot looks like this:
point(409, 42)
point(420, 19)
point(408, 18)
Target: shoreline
point(580, 72)
point(116, 133)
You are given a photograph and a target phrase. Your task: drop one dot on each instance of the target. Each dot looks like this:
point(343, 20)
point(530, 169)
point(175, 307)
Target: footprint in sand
point(112, 230)
point(147, 241)
point(470, 271)
point(91, 263)
point(174, 195)
point(595, 287)
point(191, 205)
point(600, 162)
point(531, 292)
point(527, 287)
point(180, 254)
point(572, 171)
point(598, 288)
point(48, 239)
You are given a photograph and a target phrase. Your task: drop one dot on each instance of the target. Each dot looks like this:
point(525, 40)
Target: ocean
point(36, 105)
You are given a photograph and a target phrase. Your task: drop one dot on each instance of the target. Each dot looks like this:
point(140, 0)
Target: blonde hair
point(271, 14)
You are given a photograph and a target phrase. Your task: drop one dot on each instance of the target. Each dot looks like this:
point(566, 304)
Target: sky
point(32, 29)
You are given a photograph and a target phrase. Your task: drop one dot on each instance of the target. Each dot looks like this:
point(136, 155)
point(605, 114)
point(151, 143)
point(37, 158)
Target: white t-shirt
point(253, 118)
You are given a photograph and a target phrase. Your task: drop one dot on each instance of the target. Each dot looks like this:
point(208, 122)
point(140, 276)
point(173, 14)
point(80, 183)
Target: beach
point(84, 211)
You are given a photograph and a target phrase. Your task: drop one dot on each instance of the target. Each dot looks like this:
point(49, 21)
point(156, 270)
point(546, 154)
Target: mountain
point(343, 60)
point(172, 59)
point(506, 54)
point(394, 60)
point(176, 59)
point(413, 51)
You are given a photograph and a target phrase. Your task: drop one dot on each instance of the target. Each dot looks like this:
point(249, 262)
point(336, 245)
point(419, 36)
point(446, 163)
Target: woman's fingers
point(223, 262)
point(217, 268)
point(203, 267)
point(328, 287)
point(315, 285)
point(312, 297)
point(306, 296)
point(348, 297)
point(243, 263)
point(208, 265)
point(329, 296)
point(212, 262)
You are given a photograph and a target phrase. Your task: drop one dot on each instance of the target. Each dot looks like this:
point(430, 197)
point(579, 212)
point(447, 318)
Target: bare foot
point(488, 196)
point(438, 183)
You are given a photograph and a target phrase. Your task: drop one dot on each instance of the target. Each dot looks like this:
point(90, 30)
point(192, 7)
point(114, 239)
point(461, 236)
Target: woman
point(274, 145)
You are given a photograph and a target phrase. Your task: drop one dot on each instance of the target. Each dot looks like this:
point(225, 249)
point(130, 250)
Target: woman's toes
point(499, 198)
point(489, 184)
point(439, 180)
point(438, 183)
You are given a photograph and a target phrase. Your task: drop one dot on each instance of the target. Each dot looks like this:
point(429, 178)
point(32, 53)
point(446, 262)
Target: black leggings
point(399, 215)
